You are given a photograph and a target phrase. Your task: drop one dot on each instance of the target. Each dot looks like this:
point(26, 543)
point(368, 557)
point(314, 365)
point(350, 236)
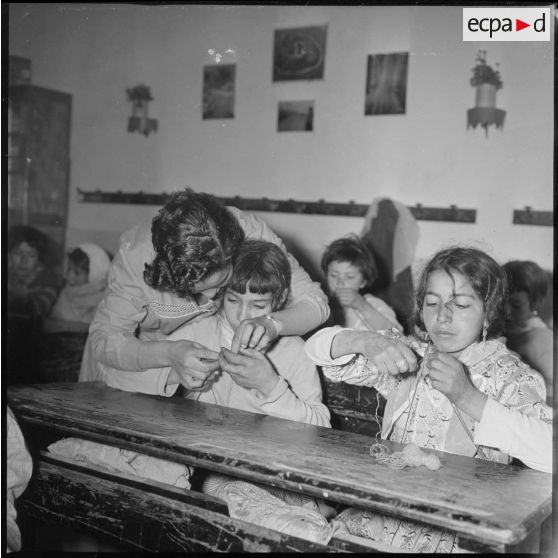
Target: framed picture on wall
point(218, 91)
point(295, 116)
point(386, 83)
point(299, 53)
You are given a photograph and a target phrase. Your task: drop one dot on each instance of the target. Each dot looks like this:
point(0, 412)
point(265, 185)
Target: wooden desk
point(491, 506)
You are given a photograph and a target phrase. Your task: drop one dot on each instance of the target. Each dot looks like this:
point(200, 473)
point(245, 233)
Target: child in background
point(470, 395)
point(32, 287)
point(86, 280)
point(280, 382)
point(350, 270)
point(526, 332)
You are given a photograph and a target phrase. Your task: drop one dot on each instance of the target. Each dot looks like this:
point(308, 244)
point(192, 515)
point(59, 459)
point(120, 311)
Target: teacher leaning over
point(176, 273)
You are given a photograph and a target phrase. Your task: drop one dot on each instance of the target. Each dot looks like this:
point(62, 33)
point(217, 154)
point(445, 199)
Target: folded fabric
point(250, 502)
point(405, 535)
point(125, 461)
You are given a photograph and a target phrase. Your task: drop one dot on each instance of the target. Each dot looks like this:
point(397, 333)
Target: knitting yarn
point(410, 456)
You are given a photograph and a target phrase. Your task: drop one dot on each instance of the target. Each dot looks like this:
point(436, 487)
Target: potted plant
point(140, 95)
point(487, 81)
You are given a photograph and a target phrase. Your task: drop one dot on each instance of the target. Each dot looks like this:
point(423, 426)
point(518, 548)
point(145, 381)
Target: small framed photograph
point(386, 83)
point(218, 91)
point(299, 53)
point(295, 116)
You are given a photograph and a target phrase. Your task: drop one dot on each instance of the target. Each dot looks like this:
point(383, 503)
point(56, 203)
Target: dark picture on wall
point(386, 83)
point(295, 116)
point(299, 53)
point(218, 91)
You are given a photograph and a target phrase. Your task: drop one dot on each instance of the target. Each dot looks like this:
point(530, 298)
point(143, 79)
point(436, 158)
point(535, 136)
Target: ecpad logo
point(507, 24)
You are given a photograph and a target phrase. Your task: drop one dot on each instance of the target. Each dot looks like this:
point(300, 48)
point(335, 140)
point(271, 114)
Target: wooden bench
point(353, 408)
point(490, 506)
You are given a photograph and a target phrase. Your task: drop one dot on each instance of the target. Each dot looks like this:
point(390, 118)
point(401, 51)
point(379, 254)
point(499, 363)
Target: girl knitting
point(350, 271)
point(455, 387)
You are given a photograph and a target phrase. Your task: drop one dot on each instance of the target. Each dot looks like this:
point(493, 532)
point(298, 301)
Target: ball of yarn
point(411, 449)
point(412, 455)
point(431, 461)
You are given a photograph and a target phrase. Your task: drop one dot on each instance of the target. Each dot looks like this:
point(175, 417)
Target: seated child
point(526, 332)
point(469, 395)
point(282, 382)
point(86, 280)
point(32, 287)
point(350, 270)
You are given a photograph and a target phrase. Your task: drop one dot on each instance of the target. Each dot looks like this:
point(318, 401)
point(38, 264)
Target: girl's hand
point(249, 369)
point(388, 355)
point(449, 376)
point(193, 363)
point(349, 298)
point(254, 333)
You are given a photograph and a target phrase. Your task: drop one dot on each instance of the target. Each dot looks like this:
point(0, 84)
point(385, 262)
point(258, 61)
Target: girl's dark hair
point(261, 267)
point(351, 249)
point(485, 275)
point(193, 236)
point(527, 276)
point(32, 236)
point(79, 259)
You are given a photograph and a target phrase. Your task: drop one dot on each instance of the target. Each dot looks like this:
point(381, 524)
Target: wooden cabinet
point(39, 159)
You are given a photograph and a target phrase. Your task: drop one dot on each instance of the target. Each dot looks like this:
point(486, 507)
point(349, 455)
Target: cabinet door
point(39, 189)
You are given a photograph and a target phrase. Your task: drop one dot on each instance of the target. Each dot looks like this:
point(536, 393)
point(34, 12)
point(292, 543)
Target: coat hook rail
point(528, 216)
point(320, 207)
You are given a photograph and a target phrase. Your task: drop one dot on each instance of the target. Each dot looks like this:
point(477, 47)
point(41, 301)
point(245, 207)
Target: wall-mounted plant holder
point(320, 207)
point(140, 95)
point(487, 82)
point(529, 217)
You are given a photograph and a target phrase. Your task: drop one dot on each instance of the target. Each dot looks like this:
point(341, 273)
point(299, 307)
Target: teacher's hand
point(193, 363)
point(254, 333)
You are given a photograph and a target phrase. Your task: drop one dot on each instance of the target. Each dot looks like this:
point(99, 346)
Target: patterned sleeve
point(519, 387)
point(516, 419)
point(352, 369)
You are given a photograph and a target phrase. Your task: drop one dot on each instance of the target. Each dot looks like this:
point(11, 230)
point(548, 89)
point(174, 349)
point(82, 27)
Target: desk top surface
point(493, 503)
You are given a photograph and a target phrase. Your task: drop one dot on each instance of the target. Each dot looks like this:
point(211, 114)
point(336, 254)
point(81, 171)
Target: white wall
point(426, 156)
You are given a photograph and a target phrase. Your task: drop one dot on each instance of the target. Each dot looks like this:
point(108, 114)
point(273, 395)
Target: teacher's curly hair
point(193, 236)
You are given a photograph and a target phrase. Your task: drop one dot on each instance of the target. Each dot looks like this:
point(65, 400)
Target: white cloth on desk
point(19, 469)
point(125, 461)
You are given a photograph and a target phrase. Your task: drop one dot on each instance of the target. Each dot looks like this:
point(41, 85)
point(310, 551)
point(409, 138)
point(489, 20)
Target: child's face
point(344, 275)
point(452, 312)
point(519, 308)
point(24, 260)
point(241, 306)
point(75, 276)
